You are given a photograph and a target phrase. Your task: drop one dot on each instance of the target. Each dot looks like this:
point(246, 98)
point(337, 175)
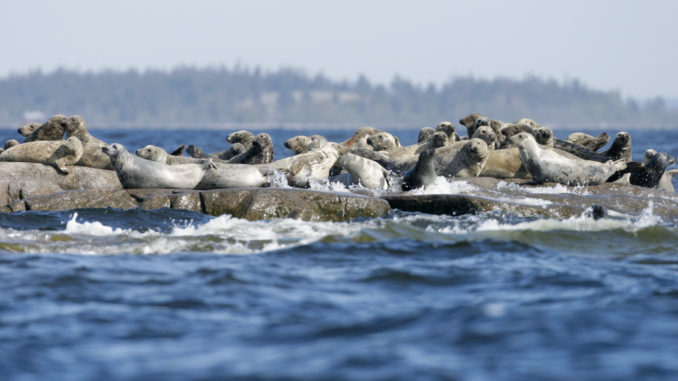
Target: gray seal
point(487, 134)
point(504, 163)
point(550, 164)
point(28, 129)
point(92, 155)
point(589, 141)
point(58, 153)
point(11, 143)
point(365, 172)
point(461, 159)
point(221, 175)
point(53, 129)
point(620, 148)
point(383, 141)
point(423, 174)
point(261, 152)
point(449, 129)
point(424, 134)
point(157, 154)
point(136, 172)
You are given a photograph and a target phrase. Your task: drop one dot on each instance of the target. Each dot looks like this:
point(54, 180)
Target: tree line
point(203, 97)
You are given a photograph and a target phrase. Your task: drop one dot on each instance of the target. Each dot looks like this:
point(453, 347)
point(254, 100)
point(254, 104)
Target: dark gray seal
point(53, 129)
point(424, 134)
point(423, 174)
point(261, 152)
point(589, 141)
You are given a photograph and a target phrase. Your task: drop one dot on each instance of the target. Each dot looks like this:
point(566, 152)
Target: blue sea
point(176, 295)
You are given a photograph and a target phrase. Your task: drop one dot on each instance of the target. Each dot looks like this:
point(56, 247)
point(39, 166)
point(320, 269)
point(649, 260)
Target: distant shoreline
point(341, 126)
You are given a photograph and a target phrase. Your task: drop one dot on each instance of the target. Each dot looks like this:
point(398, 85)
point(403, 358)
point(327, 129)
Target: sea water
point(168, 294)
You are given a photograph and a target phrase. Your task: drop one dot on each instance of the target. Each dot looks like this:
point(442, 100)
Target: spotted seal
point(487, 134)
point(550, 164)
point(58, 153)
point(461, 159)
point(589, 141)
point(383, 141)
point(92, 155)
point(233, 151)
point(220, 175)
point(136, 172)
point(53, 129)
point(298, 144)
point(261, 152)
point(157, 154)
point(28, 129)
point(449, 129)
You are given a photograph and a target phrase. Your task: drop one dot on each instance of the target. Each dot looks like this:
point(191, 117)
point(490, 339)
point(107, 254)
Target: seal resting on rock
point(298, 144)
point(28, 129)
point(588, 141)
point(504, 163)
point(136, 172)
point(53, 129)
point(461, 159)
point(359, 138)
point(11, 143)
point(261, 152)
point(423, 174)
point(449, 129)
point(365, 172)
point(550, 164)
point(157, 154)
point(620, 148)
point(92, 155)
point(424, 134)
point(58, 153)
point(220, 175)
point(383, 141)
point(486, 134)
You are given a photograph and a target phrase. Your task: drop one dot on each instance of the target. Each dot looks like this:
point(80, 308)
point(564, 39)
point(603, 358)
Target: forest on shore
point(208, 97)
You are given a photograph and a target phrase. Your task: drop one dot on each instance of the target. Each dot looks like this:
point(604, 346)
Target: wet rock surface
point(30, 186)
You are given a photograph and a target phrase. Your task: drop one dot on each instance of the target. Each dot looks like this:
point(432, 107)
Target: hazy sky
point(630, 46)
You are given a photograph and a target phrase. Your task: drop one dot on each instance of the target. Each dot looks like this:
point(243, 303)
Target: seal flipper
point(179, 151)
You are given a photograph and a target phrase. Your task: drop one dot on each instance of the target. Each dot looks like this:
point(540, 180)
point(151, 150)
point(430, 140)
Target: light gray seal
point(365, 172)
point(157, 154)
point(302, 144)
point(28, 129)
point(92, 155)
point(550, 164)
point(298, 144)
point(383, 141)
point(136, 172)
point(461, 159)
point(58, 153)
point(11, 143)
point(220, 175)
point(589, 141)
point(423, 174)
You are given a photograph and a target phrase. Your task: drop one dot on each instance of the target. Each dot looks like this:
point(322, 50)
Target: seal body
point(221, 175)
point(424, 134)
point(136, 172)
point(550, 164)
point(365, 172)
point(461, 159)
point(261, 152)
point(60, 154)
point(92, 155)
point(504, 163)
point(53, 129)
point(423, 174)
point(157, 154)
point(589, 141)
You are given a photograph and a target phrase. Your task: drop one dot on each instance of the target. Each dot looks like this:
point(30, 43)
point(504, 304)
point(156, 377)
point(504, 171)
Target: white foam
point(442, 186)
point(95, 228)
point(555, 189)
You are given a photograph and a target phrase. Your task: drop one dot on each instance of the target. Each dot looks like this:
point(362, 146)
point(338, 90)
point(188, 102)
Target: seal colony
point(372, 158)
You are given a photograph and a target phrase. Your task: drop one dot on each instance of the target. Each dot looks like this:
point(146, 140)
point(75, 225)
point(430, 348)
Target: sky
point(627, 46)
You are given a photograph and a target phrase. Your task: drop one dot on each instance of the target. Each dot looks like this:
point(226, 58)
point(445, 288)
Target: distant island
point(213, 97)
